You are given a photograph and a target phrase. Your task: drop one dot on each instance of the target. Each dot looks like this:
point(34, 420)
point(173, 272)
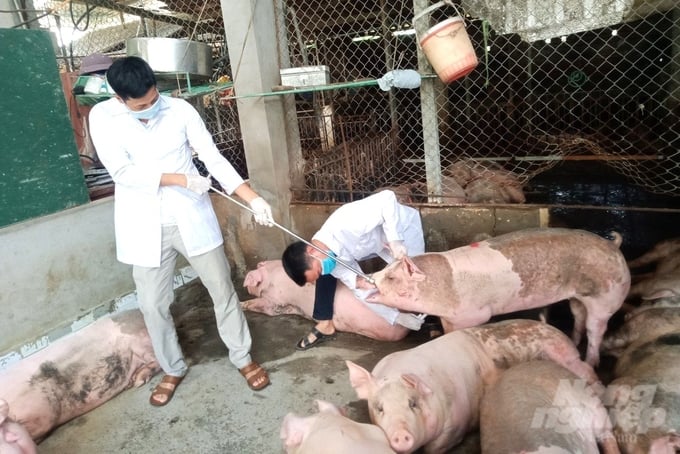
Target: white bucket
point(447, 47)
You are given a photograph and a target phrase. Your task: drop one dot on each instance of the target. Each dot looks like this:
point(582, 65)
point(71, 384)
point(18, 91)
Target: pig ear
point(362, 381)
point(253, 278)
point(660, 293)
point(292, 431)
point(415, 382)
point(327, 407)
point(412, 271)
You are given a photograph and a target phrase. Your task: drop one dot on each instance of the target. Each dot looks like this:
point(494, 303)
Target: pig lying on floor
point(331, 432)
point(79, 372)
point(430, 395)
point(277, 294)
point(539, 407)
point(645, 393)
point(521, 270)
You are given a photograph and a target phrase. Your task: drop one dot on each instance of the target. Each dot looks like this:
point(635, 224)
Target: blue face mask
point(327, 264)
point(148, 113)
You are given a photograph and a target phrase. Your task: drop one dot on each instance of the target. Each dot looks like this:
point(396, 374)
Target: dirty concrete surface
point(213, 410)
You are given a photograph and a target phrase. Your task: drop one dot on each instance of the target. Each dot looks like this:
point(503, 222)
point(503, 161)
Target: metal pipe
point(341, 262)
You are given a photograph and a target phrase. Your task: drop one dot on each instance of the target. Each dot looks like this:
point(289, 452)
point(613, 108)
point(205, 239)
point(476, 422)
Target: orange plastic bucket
point(448, 48)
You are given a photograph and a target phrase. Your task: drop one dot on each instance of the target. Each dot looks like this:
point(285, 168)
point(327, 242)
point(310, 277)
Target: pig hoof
point(319, 337)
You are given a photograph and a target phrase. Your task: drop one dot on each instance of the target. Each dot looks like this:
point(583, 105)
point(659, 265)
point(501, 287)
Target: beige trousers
point(155, 294)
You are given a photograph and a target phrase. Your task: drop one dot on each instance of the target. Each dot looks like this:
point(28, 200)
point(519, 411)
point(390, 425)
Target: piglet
point(277, 294)
point(79, 372)
point(330, 431)
point(521, 270)
point(429, 395)
point(541, 407)
point(14, 438)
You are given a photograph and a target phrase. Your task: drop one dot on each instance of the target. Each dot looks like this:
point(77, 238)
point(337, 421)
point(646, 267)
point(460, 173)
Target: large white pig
point(79, 372)
point(521, 270)
point(14, 438)
point(429, 395)
point(541, 407)
point(331, 432)
point(277, 294)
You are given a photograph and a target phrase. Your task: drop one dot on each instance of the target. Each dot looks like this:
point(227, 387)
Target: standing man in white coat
point(162, 208)
point(374, 226)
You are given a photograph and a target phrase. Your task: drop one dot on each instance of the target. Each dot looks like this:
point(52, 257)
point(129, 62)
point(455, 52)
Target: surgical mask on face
point(148, 113)
point(327, 263)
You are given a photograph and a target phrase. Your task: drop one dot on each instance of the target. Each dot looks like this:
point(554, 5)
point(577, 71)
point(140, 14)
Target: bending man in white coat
point(374, 226)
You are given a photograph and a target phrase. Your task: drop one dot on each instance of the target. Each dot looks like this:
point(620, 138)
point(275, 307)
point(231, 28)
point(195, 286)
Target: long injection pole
point(295, 235)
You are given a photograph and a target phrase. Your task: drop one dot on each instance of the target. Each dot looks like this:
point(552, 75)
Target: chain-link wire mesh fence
point(556, 82)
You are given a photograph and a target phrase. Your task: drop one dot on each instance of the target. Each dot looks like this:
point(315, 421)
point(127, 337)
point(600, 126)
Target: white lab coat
point(136, 155)
point(361, 230)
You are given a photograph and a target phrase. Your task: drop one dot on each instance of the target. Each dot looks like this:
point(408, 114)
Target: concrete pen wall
point(59, 272)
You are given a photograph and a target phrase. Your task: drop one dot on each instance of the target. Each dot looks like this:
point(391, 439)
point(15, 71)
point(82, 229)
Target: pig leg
point(268, 307)
point(595, 328)
point(578, 310)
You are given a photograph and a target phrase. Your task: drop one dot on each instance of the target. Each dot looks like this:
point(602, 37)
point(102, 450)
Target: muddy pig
point(429, 395)
point(79, 372)
point(330, 431)
point(277, 294)
point(14, 438)
point(644, 398)
point(642, 325)
point(526, 269)
point(539, 406)
point(664, 256)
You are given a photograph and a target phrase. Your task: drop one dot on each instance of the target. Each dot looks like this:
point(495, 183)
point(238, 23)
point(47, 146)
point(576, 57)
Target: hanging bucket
point(447, 45)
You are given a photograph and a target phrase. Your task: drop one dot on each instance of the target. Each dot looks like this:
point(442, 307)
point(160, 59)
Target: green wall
point(40, 171)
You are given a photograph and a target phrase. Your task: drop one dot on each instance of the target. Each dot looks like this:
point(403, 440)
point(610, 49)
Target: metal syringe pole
point(295, 235)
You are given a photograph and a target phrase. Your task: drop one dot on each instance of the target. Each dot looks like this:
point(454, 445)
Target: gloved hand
point(263, 212)
point(198, 184)
point(397, 249)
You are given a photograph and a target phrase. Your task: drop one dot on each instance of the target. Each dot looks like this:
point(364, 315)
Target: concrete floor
point(213, 411)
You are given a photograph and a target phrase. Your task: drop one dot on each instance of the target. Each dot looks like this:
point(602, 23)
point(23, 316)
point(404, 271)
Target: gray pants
point(155, 294)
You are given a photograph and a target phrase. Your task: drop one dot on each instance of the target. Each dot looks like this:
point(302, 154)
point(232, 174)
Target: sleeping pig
point(79, 372)
point(521, 270)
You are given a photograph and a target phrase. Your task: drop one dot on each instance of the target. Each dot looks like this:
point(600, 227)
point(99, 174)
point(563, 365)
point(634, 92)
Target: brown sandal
point(254, 374)
point(165, 389)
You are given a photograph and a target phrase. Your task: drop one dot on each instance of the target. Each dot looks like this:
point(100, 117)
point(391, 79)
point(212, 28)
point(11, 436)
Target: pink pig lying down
point(14, 438)
point(521, 270)
point(79, 372)
point(277, 294)
point(430, 395)
point(331, 432)
point(540, 407)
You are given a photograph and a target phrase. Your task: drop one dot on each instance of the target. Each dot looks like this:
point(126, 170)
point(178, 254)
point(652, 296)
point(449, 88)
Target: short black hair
point(296, 262)
point(130, 77)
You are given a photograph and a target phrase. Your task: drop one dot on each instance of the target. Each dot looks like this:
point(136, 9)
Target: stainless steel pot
point(173, 57)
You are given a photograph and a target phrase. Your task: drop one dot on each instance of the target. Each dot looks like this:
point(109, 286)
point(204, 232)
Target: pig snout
point(402, 440)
